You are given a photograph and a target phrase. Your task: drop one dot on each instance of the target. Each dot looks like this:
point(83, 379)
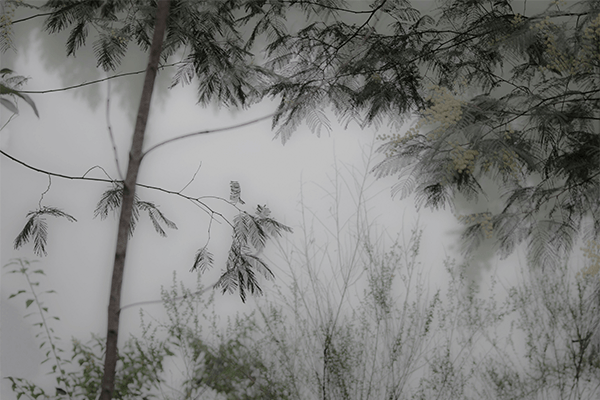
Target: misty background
point(71, 137)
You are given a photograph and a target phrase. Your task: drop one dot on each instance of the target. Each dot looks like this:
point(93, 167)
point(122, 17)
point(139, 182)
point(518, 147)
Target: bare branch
point(94, 82)
point(227, 128)
point(193, 178)
point(45, 191)
point(110, 132)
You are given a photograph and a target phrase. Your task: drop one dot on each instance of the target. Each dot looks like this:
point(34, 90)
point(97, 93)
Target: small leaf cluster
point(9, 87)
point(111, 202)
point(36, 228)
point(250, 233)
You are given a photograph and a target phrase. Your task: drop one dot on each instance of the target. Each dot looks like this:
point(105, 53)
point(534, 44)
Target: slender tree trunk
point(135, 158)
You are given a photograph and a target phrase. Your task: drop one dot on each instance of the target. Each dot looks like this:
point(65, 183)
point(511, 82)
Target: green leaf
point(31, 103)
point(28, 302)
point(6, 71)
point(10, 105)
point(39, 271)
point(5, 90)
point(76, 38)
point(16, 294)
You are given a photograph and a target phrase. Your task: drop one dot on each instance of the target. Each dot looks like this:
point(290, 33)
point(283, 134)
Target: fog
point(71, 137)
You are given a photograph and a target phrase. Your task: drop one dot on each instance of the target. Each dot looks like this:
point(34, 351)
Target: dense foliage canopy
point(502, 94)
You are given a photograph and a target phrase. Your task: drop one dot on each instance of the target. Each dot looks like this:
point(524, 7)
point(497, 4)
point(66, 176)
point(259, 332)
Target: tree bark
point(135, 158)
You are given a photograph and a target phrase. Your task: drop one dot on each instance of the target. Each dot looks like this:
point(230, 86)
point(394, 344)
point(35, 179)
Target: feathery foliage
point(531, 128)
point(36, 228)
point(250, 234)
point(111, 202)
point(499, 96)
point(9, 87)
point(209, 32)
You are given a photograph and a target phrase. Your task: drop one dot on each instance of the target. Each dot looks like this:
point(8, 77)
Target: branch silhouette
point(196, 200)
point(95, 81)
point(227, 128)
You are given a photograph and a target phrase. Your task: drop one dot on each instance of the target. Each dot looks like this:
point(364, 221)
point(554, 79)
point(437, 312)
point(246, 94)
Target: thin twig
point(99, 167)
point(93, 82)
point(16, 21)
point(193, 178)
point(110, 132)
point(9, 119)
point(45, 191)
point(227, 128)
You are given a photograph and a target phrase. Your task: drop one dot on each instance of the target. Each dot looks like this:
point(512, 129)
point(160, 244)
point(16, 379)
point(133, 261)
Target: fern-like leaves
point(203, 261)
point(250, 233)
point(36, 228)
point(156, 216)
point(111, 200)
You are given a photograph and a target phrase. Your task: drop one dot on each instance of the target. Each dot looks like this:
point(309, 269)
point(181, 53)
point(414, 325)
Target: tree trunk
point(135, 158)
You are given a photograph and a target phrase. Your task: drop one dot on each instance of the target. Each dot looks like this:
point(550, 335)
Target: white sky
point(71, 136)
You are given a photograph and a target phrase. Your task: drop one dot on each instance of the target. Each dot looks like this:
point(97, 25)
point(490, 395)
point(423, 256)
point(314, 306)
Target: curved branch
point(94, 82)
point(227, 128)
point(31, 167)
point(16, 21)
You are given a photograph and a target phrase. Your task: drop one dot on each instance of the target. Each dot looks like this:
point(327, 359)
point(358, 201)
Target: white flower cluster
point(557, 59)
point(510, 161)
point(483, 219)
point(115, 35)
point(446, 109)
point(463, 160)
point(590, 47)
point(445, 112)
point(591, 251)
point(517, 20)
